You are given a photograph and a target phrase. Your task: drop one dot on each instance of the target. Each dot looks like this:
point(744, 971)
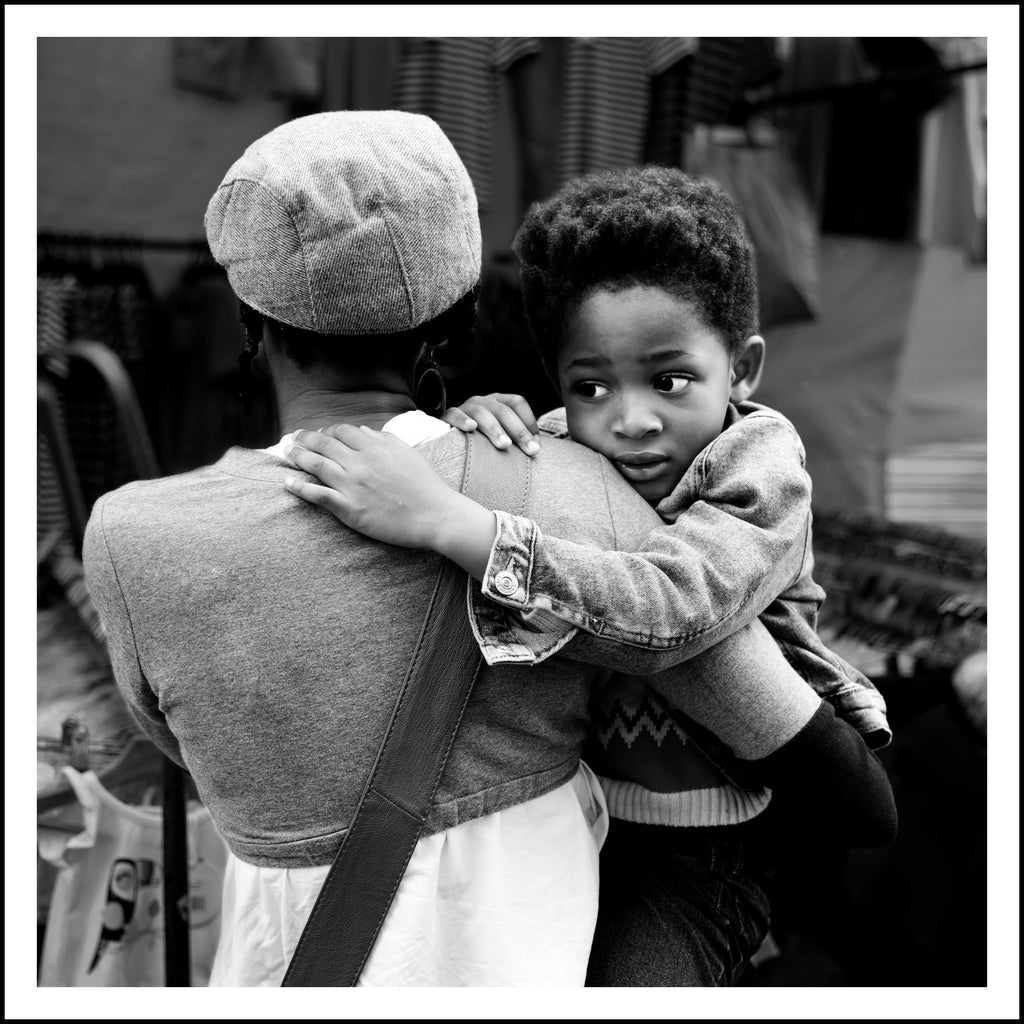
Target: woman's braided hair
point(640, 226)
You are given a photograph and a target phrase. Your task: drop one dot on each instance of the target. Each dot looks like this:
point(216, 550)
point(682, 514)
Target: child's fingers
point(512, 423)
point(488, 425)
point(505, 419)
point(521, 407)
point(459, 419)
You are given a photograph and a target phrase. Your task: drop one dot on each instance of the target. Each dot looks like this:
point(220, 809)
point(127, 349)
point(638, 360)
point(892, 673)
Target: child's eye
point(590, 389)
point(671, 383)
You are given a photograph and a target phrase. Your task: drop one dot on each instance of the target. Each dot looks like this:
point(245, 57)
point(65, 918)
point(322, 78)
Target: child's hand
point(373, 482)
point(501, 418)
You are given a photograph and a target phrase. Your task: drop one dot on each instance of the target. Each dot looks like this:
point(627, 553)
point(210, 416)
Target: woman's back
point(266, 644)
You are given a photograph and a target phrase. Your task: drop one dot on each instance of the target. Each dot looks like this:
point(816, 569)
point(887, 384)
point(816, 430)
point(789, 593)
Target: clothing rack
point(53, 238)
point(881, 83)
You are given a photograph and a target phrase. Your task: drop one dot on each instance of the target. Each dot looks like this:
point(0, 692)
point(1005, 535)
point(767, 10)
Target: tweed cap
point(350, 222)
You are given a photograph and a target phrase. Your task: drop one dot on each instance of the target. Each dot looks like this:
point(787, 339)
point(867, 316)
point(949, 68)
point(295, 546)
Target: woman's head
point(639, 227)
point(348, 223)
point(355, 236)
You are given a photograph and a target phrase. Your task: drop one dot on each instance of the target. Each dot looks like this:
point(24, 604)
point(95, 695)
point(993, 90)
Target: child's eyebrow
point(662, 354)
point(588, 361)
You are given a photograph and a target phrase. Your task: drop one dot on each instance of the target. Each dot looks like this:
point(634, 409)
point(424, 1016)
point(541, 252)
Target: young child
point(640, 290)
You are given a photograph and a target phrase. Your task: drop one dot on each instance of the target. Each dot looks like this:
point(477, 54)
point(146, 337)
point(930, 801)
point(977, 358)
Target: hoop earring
point(430, 393)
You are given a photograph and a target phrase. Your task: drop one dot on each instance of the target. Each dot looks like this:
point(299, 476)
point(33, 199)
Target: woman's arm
point(105, 591)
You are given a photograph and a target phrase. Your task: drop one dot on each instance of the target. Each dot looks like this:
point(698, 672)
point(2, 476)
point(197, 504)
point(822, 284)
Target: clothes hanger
point(141, 759)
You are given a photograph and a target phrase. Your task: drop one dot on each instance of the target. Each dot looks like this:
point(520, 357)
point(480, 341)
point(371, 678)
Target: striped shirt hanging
point(722, 69)
point(456, 81)
point(607, 99)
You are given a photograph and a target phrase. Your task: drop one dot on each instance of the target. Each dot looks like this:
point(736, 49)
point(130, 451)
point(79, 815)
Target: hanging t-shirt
point(455, 81)
point(607, 100)
point(106, 918)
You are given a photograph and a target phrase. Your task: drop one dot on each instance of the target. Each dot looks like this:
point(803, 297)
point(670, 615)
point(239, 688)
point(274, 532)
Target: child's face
point(645, 382)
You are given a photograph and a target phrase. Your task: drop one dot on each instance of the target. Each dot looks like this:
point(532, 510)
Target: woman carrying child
point(641, 293)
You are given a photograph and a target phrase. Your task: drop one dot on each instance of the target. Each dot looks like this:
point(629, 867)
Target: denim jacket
point(736, 545)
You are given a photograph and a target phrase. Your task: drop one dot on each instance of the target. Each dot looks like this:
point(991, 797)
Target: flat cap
point(349, 222)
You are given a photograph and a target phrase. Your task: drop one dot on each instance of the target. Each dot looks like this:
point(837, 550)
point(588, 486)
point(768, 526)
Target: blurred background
point(859, 165)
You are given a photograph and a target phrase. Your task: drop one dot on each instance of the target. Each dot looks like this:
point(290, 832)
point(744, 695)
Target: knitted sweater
point(651, 770)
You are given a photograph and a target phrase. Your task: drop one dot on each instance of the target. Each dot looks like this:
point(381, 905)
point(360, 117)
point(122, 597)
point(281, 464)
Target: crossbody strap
point(392, 810)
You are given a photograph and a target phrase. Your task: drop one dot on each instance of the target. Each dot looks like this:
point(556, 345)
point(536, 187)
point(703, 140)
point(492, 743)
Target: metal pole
point(177, 952)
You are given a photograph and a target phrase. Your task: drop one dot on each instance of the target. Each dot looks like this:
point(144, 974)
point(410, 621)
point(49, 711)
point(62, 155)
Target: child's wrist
point(464, 532)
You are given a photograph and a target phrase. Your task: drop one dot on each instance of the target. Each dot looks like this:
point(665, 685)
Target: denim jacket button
point(506, 583)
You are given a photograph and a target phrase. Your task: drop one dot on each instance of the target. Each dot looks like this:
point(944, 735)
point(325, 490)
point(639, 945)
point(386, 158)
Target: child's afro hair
point(640, 226)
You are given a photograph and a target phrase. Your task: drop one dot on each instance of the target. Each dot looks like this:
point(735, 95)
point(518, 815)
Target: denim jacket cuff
point(515, 633)
point(507, 576)
point(864, 709)
point(504, 638)
point(554, 423)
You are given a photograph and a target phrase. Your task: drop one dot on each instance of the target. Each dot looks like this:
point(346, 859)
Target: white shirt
point(507, 899)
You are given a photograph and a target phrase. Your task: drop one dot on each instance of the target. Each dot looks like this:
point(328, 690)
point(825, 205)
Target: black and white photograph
point(514, 511)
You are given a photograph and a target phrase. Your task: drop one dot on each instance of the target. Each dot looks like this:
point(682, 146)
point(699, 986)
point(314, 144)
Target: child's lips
point(638, 466)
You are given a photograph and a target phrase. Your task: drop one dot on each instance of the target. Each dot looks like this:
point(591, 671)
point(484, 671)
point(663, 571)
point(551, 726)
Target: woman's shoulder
point(575, 485)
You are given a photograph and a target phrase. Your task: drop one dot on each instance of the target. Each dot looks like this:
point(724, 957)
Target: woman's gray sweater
point(261, 644)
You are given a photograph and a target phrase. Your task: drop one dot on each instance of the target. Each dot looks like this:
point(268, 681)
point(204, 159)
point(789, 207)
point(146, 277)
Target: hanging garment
point(106, 918)
point(953, 208)
point(359, 73)
point(293, 66)
point(816, 63)
point(875, 144)
point(455, 81)
point(766, 187)
point(214, 66)
point(281, 67)
point(721, 69)
point(867, 293)
point(607, 100)
point(666, 122)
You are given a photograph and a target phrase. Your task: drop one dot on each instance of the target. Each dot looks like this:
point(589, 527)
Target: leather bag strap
point(390, 817)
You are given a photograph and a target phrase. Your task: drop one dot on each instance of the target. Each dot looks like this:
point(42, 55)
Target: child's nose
point(636, 420)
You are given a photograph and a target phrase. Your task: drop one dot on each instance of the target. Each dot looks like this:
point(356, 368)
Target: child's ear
point(747, 365)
